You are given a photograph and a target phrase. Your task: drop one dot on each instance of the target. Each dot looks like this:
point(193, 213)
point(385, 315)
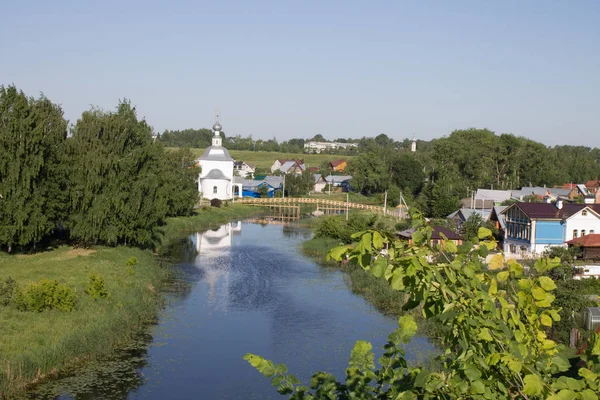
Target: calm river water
point(243, 288)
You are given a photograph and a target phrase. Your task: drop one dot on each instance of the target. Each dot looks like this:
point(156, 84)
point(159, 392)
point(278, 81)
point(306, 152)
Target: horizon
point(342, 70)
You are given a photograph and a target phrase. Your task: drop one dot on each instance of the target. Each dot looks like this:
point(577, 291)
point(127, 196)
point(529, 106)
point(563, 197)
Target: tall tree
point(116, 176)
point(32, 184)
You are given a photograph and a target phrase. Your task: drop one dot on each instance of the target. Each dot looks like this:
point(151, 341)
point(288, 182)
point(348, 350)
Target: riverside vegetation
point(495, 343)
point(70, 289)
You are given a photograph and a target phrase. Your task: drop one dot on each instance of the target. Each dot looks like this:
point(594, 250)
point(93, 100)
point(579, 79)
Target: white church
point(216, 177)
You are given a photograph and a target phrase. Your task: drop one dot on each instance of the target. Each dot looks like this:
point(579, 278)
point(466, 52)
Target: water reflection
point(248, 290)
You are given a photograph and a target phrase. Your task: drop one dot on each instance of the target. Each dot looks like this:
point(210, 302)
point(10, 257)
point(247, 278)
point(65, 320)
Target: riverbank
point(36, 345)
point(376, 291)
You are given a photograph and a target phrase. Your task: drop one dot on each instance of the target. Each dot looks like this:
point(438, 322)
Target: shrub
point(131, 261)
point(216, 203)
point(7, 291)
point(46, 295)
point(96, 289)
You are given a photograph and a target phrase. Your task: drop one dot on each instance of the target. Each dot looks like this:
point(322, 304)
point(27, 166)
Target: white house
point(216, 177)
point(584, 222)
point(244, 169)
point(320, 183)
point(288, 166)
point(317, 147)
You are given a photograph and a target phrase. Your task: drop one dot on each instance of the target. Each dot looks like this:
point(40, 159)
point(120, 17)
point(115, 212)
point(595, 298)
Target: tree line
point(107, 182)
point(448, 169)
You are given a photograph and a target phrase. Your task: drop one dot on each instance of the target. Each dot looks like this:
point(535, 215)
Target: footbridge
point(326, 206)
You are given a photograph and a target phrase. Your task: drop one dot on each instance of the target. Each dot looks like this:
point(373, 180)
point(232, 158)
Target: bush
point(216, 203)
point(131, 261)
point(45, 295)
point(96, 289)
point(7, 291)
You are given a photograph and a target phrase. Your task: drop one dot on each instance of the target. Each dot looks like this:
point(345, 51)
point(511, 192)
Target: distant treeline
point(202, 138)
point(448, 169)
point(108, 182)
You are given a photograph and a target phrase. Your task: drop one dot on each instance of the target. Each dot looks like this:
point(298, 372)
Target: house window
point(584, 213)
point(583, 232)
point(574, 233)
point(214, 190)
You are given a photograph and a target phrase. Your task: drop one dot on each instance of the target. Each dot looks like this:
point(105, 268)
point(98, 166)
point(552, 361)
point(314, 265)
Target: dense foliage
point(107, 183)
point(495, 345)
point(32, 175)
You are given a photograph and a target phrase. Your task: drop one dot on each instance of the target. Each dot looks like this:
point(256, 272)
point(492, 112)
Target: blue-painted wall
point(549, 232)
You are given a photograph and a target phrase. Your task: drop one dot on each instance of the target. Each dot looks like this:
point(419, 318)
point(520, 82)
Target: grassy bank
point(36, 344)
point(376, 291)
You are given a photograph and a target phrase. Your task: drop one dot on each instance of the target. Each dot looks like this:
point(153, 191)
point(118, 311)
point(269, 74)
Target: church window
point(591, 232)
point(574, 233)
point(583, 232)
point(584, 213)
point(214, 190)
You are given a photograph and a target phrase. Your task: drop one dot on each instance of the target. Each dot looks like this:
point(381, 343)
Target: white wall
point(579, 222)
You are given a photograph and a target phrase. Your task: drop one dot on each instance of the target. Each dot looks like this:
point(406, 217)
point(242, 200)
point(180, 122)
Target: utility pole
point(283, 191)
point(347, 194)
point(385, 204)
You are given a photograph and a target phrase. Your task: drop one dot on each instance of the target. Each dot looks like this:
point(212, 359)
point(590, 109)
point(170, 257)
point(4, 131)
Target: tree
point(494, 342)
point(180, 182)
point(299, 184)
point(116, 177)
point(32, 179)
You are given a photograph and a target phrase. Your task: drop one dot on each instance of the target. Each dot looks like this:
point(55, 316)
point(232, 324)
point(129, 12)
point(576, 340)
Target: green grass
point(34, 345)
point(264, 159)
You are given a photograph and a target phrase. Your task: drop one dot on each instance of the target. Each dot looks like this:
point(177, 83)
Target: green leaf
point(337, 253)
point(538, 293)
point(292, 379)
point(564, 394)
point(477, 387)
point(545, 320)
point(484, 334)
point(398, 279)
point(472, 373)
point(483, 233)
point(496, 262)
point(407, 327)
point(588, 394)
point(378, 240)
point(502, 276)
point(276, 380)
point(547, 283)
point(451, 246)
point(493, 289)
point(365, 243)
point(533, 385)
point(379, 266)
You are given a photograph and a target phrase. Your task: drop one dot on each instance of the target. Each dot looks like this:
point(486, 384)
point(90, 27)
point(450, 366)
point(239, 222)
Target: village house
point(531, 228)
point(338, 165)
point(590, 245)
point(288, 166)
point(320, 183)
point(244, 169)
point(460, 216)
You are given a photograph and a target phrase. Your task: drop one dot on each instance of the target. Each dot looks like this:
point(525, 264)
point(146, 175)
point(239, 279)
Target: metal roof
point(216, 153)
point(337, 178)
point(215, 174)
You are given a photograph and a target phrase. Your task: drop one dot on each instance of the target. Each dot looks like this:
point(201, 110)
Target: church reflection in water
point(213, 247)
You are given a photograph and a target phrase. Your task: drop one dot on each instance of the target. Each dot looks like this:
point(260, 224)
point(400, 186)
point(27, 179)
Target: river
point(242, 288)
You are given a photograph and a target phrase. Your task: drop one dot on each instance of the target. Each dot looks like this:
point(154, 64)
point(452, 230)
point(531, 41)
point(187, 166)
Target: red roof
point(335, 163)
point(550, 211)
point(591, 184)
point(592, 240)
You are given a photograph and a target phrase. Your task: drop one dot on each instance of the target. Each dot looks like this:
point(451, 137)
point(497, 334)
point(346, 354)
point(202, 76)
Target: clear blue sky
point(295, 69)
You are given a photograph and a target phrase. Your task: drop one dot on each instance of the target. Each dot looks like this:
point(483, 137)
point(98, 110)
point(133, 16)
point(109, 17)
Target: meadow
point(264, 159)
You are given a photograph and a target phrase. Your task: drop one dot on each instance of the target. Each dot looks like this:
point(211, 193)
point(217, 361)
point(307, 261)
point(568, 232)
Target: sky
point(288, 69)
